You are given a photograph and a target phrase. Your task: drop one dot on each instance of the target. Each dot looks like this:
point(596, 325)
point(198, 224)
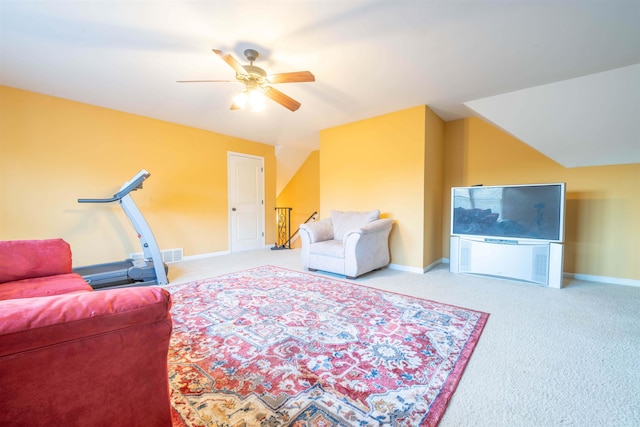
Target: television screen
point(512, 212)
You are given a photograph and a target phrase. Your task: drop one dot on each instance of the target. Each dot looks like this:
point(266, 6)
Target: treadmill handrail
point(134, 184)
point(112, 199)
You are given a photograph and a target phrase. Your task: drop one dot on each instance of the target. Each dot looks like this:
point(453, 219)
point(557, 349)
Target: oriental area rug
point(275, 347)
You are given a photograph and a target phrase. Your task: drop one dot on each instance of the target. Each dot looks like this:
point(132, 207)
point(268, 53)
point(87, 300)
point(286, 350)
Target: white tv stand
point(527, 261)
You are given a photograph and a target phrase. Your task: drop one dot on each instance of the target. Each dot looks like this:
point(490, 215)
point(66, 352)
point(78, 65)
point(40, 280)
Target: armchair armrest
point(377, 226)
point(318, 231)
point(367, 248)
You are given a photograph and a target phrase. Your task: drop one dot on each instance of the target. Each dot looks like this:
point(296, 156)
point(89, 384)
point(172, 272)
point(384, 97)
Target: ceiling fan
point(256, 81)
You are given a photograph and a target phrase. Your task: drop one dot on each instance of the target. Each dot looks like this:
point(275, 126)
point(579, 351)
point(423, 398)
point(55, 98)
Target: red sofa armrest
point(25, 259)
point(86, 359)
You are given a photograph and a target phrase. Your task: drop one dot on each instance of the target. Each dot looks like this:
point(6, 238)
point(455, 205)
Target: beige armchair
point(348, 243)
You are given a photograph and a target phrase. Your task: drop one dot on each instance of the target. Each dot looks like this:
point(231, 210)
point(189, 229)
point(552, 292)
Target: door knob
point(233, 209)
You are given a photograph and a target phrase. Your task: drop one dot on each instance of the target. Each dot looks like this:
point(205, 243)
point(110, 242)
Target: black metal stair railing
point(283, 233)
point(283, 230)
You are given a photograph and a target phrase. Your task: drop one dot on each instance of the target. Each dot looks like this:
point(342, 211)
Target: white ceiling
point(562, 76)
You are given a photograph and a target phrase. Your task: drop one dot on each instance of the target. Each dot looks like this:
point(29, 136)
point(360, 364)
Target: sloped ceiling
point(562, 76)
point(586, 121)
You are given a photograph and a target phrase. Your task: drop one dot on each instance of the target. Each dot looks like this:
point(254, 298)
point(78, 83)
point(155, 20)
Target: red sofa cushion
point(25, 259)
point(86, 359)
point(44, 286)
point(31, 323)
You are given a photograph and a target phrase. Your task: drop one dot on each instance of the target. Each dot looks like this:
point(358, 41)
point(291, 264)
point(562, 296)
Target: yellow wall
point(433, 184)
point(54, 151)
point(302, 193)
point(602, 222)
point(455, 159)
point(379, 163)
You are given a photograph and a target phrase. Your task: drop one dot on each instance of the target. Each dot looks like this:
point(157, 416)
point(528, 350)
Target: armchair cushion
point(319, 231)
point(347, 221)
point(329, 248)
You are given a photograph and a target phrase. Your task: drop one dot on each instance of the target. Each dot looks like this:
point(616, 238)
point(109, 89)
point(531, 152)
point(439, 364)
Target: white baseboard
point(603, 279)
point(207, 255)
point(415, 269)
point(432, 265)
point(404, 268)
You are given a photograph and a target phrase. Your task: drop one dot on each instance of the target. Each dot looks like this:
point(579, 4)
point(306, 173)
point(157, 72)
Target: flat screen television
point(509, 212)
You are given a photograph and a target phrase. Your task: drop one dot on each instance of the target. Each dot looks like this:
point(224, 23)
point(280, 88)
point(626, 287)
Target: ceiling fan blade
point(206, 81)
point(231, 61)
point(294, 77)
point(281, 98)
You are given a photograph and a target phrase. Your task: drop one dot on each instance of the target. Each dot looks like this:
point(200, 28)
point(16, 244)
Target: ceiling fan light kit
point(256, 81)
point(249, 99)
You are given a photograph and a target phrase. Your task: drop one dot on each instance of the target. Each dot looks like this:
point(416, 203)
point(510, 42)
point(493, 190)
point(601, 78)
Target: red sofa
point(71, 356)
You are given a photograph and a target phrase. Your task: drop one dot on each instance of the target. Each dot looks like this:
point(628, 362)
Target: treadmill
point(150, 270)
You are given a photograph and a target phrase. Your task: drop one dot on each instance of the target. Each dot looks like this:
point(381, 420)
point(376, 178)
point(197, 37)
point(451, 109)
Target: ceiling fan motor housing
point(255, 72)
point(255, 76)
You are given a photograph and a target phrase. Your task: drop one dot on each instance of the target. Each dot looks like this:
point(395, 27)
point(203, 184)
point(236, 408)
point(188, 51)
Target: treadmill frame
point(150, 249)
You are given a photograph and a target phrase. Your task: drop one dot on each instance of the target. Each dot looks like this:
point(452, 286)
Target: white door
point(246, 202)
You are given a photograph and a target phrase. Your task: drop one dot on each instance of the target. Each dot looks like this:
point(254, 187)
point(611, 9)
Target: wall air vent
point(168, 255)
point(172, 255)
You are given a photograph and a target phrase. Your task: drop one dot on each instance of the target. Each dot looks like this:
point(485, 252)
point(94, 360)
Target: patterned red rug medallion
point(276, 347)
